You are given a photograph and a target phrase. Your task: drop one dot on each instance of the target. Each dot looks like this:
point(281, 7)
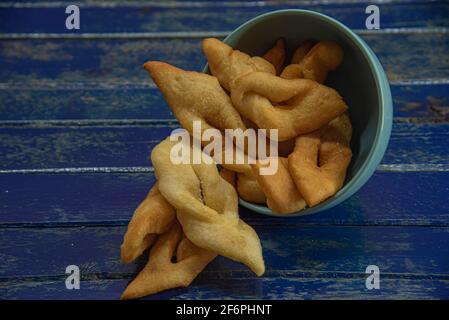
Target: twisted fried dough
point(279, 188)
point(160, 273)
point(319, 161)
point(276, 55)
point(301, 51)
point(306, 105)
point(207, 208)
point(195, 96)
point(248, 188)
point(229, 176)
point(325, 56)
point(151, 218)
point(228, 64)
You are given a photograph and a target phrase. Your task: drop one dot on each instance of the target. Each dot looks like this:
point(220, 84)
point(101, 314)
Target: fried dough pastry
point(301, 51)
point(325, 56)
point(248, 188)
point(320, 159)
point(276, 55)
point(229, 176)
point(160, 273)
point(302, 105)
point(151, 218)
point(207, 208)
point(280, 190)
point(228, 64)
point(234, 166)
point(195, 96)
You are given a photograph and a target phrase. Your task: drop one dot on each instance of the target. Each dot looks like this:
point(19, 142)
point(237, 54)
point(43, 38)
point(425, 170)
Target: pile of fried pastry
point(191, 214)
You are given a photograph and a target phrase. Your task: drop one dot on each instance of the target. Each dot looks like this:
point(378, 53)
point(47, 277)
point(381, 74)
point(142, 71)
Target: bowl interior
point(354, 79)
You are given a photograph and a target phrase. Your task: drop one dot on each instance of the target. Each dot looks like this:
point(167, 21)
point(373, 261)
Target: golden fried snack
point(234, 166)
point(228, 64)
point(248, 188)
point(160, 273)
point(195, 96)
point(152, 217)
point(322, 58)
point(302, 105)
point(301, 51)
point(276, 55)
point(207, 208)
point(229, 176)
point(320, 159)
point(325, 56)
point(280, 190)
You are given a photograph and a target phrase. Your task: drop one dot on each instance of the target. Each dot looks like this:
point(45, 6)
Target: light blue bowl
point(360, 79)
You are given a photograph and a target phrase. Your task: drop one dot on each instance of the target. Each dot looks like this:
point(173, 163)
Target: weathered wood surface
point(323, 287)
point(289, 250)
point(79, 117)
point(300, 260)
point(78, 101)
point(25, 147)
point(118, 61)
point(78, 199)
point(218, 16)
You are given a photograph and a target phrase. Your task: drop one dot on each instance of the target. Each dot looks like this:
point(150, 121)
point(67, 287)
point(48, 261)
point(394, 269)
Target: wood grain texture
point(50, 200)
point(84, 101)
point(239, 288)
point(118, 62)
point(288, 251)
point(39, 147)
point(398, 220)
point(217, 17)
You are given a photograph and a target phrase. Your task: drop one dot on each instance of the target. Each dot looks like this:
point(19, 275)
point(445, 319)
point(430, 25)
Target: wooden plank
point(35, 147)
point(217, 17)
point(118, 62)
point(239, 288)
point(288, 251)
point(39, 200)
point(79, 147)
point(134, 102)
point(172, 3)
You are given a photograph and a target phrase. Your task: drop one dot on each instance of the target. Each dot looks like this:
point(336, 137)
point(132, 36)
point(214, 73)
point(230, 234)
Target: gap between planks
point(237, 274)
point(171, 123)
point(193, 4)
point(190, 34)
point(132, 85)
point(414, 167)
point(259, 221)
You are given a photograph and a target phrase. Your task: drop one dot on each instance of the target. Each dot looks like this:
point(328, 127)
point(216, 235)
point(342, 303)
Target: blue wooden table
point(79, 117)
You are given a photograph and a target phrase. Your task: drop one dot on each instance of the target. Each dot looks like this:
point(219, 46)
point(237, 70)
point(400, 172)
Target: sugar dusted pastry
point(195, 96)
point(154, 216)
point(207, 208)
point(320, 159)
point(228, 64)
point(161, 273)
point(276, 55)
point(293, 107)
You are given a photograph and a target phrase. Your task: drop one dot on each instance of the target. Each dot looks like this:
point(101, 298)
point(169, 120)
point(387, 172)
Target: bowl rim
point(385, 115)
